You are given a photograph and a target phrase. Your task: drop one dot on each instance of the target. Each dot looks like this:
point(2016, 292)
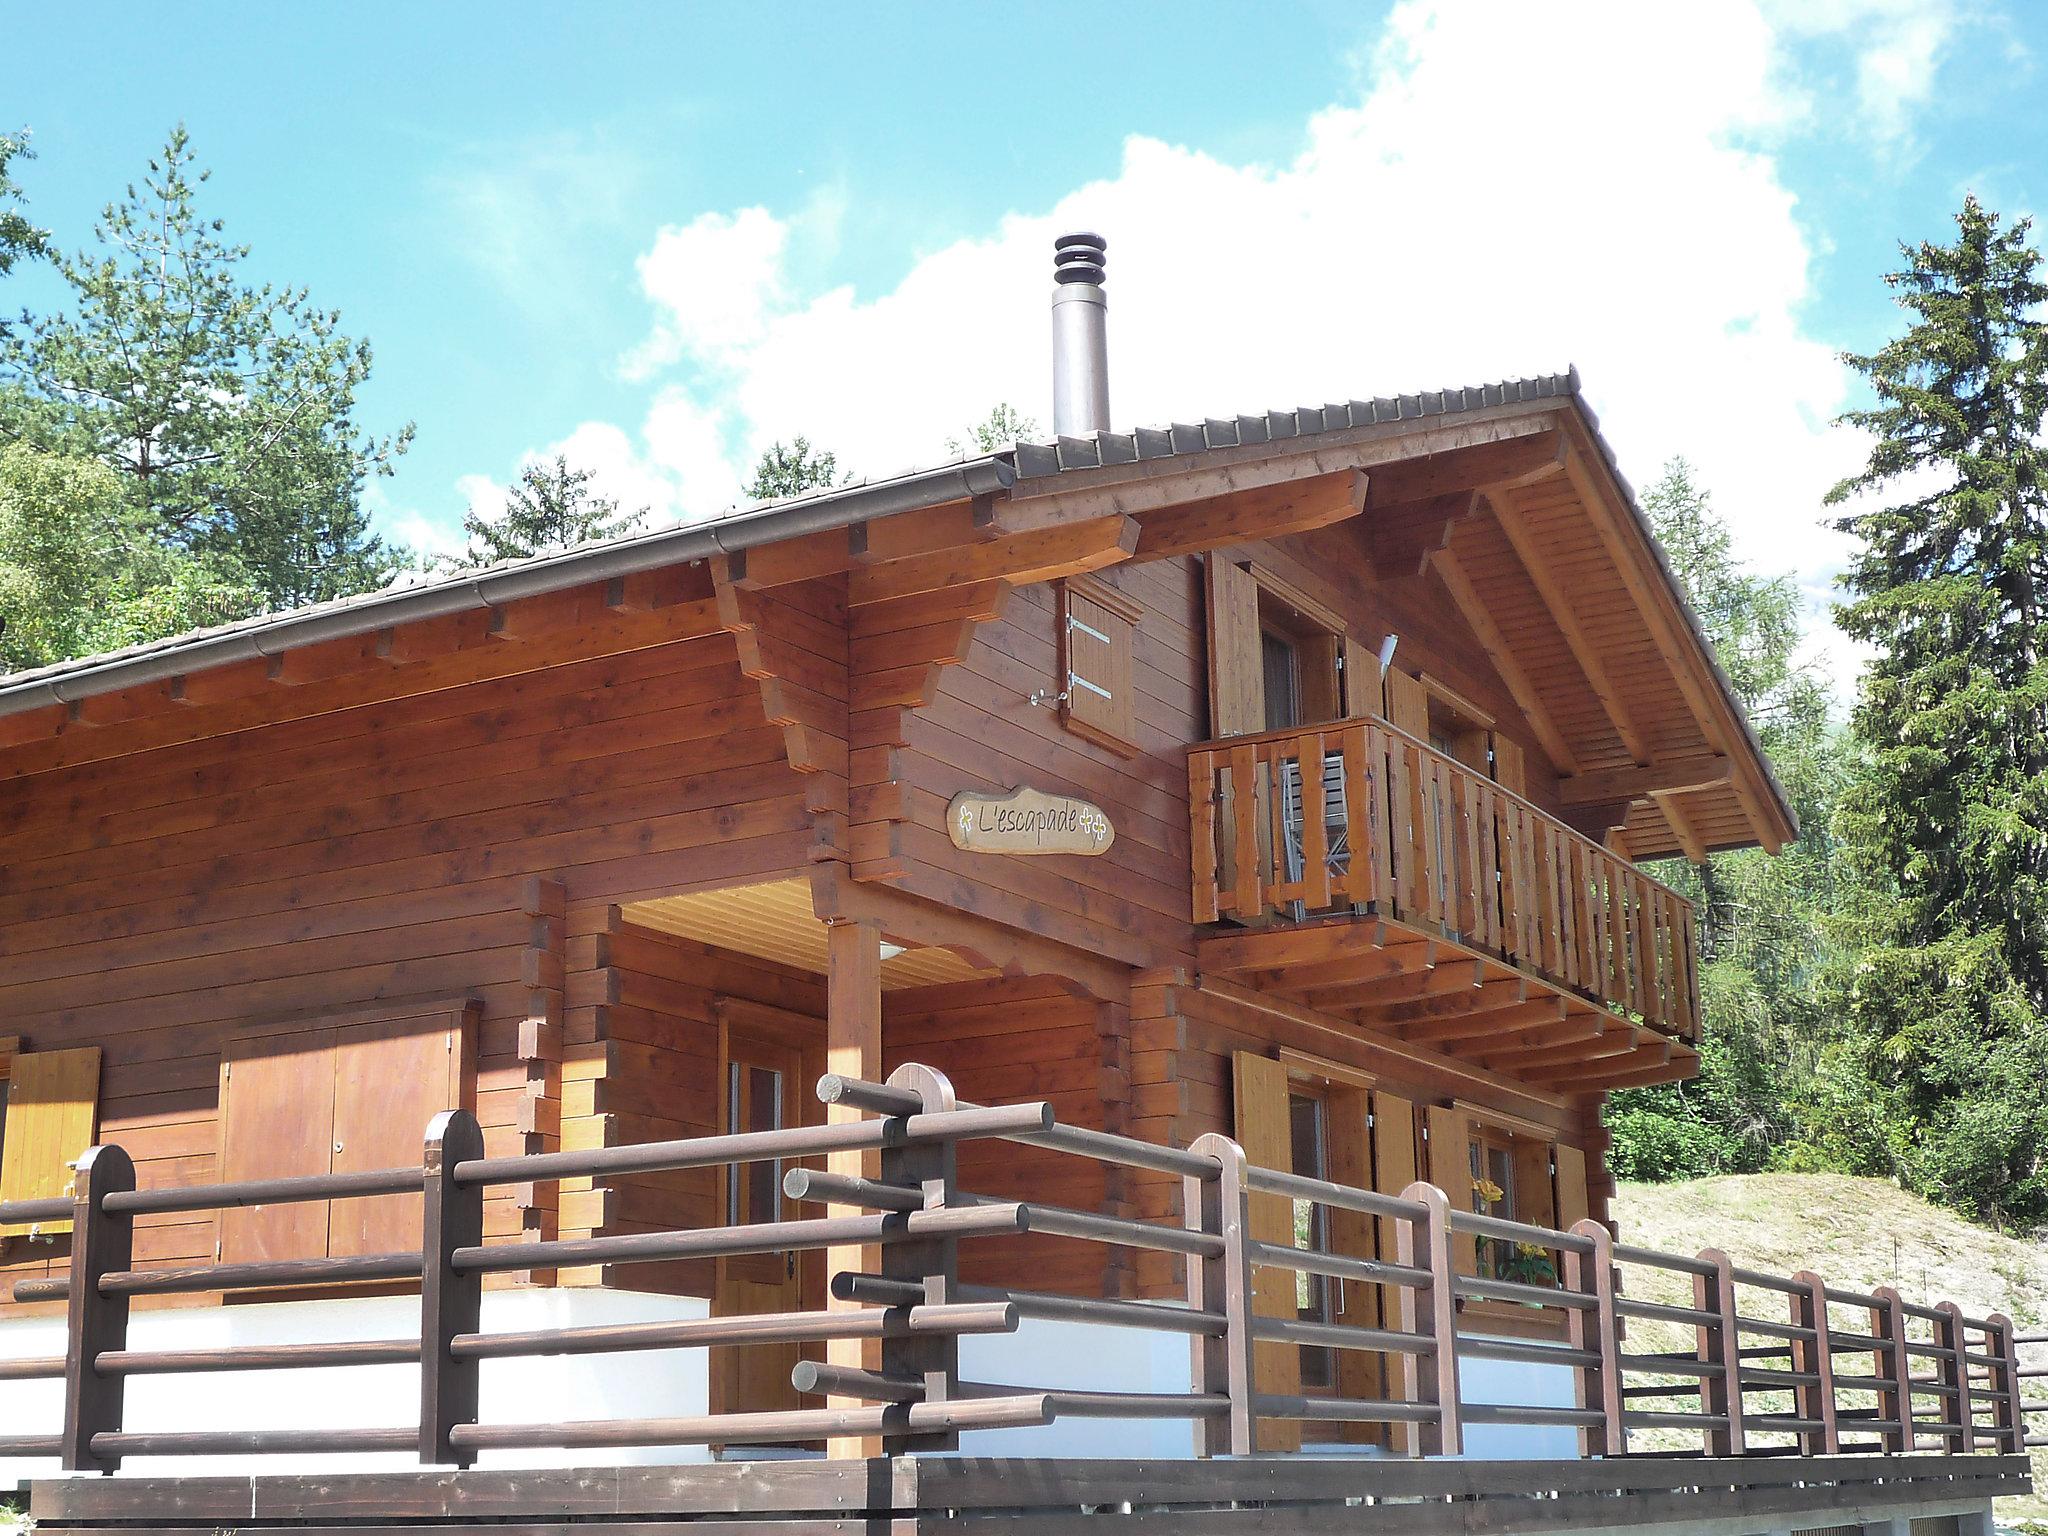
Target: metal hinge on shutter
point(1075, 679)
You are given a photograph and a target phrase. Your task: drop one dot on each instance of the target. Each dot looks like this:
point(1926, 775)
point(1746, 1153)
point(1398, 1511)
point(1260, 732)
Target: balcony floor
point(1432, 990)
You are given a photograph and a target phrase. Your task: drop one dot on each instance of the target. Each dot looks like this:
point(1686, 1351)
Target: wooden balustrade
point(1752, 1364)
point(1358, 816)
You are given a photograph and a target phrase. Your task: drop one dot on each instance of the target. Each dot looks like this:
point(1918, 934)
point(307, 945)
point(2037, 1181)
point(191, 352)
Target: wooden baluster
point(1223, 1283)
point(1202, 847)
point(1617, 931)
point(1407, 825)
point(1440, 859)
point(1502, 833)
point(932, 1168)
point(2005, 1381)
point(102, 1243)
point(1279, 889)
point(1248, 897)
point(1720, 1345)
point(1888, 1323)
point(1424, 1242)
point(1809, 1309)
point(1360, 784)
point(1576, 920)
point(1386, 819)
point(1955, 1372)
point(1548, 911)
point(1645, 939)
point(1315, 826)
point(450, 1302)
point(1597, 1331)
point(1472, 873)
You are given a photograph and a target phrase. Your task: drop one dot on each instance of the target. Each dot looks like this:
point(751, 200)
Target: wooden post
point(1424, 1242)
point(853, 1048)
point(101, 1244)
point(1599, 1386)
point(1888, 1322)
point(932, 1168)
point(450, 1303)
point(1222, 1206)
point(1955, 1374)
point(1816, 1400)
point(2005, 1381)
point(1720, 1346)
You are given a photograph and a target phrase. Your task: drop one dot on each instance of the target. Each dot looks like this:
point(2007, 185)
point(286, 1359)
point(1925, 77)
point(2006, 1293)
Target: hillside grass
point(1857, 1234)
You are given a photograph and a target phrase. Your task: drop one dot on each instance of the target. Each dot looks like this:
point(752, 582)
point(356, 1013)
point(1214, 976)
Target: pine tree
point(792, 470)
point(228, 408)
point(551, 509)
point(1946, 821)
point(19, 239)
point(1002, 426)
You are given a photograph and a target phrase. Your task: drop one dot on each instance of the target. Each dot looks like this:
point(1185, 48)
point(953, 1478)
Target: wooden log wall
point(157, 901)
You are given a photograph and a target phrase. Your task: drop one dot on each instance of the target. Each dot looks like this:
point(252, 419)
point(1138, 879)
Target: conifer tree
point(793, 469)
point(551, 509)
point(1945, 823)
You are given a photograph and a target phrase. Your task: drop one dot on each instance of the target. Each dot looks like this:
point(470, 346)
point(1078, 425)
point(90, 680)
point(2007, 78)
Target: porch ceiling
point(776, 921)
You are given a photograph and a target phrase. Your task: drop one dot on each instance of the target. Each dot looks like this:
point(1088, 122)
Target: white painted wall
point(1040, 1354)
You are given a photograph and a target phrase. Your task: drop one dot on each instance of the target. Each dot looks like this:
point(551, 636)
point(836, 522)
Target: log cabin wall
point(158, 903)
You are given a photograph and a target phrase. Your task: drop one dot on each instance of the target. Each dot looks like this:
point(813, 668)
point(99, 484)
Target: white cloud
point(1513, 187)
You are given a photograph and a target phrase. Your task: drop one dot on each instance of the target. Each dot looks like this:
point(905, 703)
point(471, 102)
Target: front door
point(761, 1092)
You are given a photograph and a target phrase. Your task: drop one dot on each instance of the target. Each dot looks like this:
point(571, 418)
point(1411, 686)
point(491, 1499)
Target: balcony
point(1358, 871)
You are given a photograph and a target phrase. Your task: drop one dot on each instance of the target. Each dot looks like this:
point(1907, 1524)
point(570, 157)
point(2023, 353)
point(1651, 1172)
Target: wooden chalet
point(1356, 724)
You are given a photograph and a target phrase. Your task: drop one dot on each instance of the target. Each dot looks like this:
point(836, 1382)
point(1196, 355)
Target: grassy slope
point(1858, 1233)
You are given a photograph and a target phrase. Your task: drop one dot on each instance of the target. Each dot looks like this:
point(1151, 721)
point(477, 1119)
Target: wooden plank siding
point(156, 903)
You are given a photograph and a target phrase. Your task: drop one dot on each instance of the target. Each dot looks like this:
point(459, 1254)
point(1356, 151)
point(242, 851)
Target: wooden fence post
point(1888, 1323)
point(102, 1243)
point(2005, 1381)
point(1424, 1242)
point(932, 1168)
point(1599, 1386)
point(1955, 1373)
point(1816, 1400)
point(1720, 1345)
point(450, 1303)
point(1224, 1284)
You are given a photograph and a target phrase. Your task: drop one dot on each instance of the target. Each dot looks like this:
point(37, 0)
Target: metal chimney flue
point(1080, 336)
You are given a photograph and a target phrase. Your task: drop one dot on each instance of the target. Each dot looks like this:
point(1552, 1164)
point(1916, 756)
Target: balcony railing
point(1756, 1365)
point(1356, 815)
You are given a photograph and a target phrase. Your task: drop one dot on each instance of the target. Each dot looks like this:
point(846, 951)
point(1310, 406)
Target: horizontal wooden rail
point(1357, 815)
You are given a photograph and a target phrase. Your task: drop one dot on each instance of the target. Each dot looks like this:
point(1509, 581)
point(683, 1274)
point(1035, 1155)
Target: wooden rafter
point(1667, 776)
point(1512, 461)
point(1265, 512)
point(1675, 817)
point(1519, 684)
point(1563, 613)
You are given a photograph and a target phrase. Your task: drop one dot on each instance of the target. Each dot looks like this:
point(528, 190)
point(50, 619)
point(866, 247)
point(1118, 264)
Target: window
point(1282, 679)
point(1278, 658)
point(342, 1092)
point(1098, 698)
point(1309, 1128)
point(49, 1116)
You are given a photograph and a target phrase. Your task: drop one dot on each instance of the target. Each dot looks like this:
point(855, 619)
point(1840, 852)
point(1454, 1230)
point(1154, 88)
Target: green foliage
point(80, 574)
point(227, 408)
point(792, 470)
point(1765, 945)
point(1002, 426)
point(1944, 820)
point(551, 509)
point(19, 239)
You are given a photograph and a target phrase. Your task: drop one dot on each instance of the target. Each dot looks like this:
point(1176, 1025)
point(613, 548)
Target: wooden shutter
point(1393, 1158)
point(276, 1121)
point(1265, 1131)
point(1408, 704)
point(1534, 1202)
point(1349, 1154)
point(52, 1112)
point(1322, 689)
point(1363, 694)
point(1237, 679)
point(1450, 1169)
point(1097, 627)
point(1573, 1204)
point(1509, 768)
point(390, 1079)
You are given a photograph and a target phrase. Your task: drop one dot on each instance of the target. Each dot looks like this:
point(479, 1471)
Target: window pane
point(1283, 681)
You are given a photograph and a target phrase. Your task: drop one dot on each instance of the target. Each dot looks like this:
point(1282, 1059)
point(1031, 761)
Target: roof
point(769, 522)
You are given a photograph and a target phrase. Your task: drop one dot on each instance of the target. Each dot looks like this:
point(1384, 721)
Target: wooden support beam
point(1511, 461)
point(1689, 841)
point(1563, 613)
point(1400, 540)
point(1065, 550)
point(1521, 687)
point(1649, 1064)
point(1532, 1015)
point(1454, 977)
point(853, 1048)
point(1291, 506)
point(1670, 775)
point(1502, 992)
point(1375, 960)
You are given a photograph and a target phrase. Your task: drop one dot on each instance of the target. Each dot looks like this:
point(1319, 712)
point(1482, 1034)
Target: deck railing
point(1356, 815)
point(1757, 1364)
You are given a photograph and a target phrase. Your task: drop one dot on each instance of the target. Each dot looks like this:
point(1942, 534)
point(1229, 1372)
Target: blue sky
point(663, 235)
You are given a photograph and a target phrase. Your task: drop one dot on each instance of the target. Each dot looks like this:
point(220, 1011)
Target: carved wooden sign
point(1027, 820)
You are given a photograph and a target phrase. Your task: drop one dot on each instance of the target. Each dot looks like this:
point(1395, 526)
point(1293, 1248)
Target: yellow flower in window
point(1488, 1191)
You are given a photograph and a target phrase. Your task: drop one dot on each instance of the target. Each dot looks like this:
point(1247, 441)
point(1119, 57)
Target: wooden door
point(277, 1121)
point(761, 1092)
point(1265, 1131)
point(390, 1079)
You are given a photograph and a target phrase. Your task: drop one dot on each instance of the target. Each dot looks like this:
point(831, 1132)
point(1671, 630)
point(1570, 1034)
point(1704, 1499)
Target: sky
point(656, 238)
